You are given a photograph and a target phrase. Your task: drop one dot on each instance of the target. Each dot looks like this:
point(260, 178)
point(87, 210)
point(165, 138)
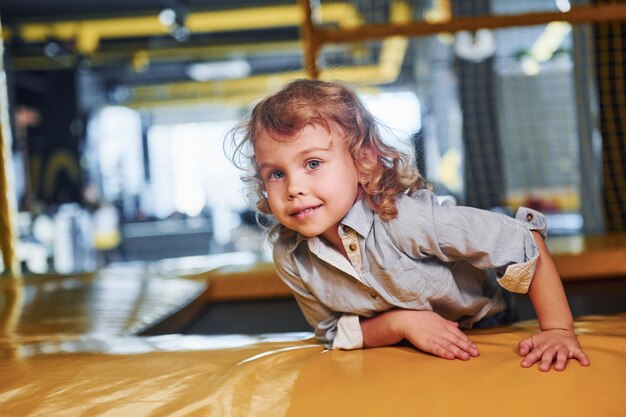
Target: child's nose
point(296, 188)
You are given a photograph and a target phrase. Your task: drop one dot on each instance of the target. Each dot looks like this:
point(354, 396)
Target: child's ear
point(263, 204)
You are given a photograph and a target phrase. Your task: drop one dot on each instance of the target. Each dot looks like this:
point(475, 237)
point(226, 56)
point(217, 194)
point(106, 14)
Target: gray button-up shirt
point(438, 257)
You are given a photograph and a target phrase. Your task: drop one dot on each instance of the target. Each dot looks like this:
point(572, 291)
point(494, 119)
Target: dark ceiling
point(19, 10)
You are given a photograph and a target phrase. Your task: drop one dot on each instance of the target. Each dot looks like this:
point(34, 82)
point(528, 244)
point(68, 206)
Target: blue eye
point(314, 164)
point(276, 175)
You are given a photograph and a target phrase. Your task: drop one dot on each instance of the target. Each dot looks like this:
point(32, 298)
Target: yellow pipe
point(387, 70)
point(392, 54)
point(255, 86)
point(222, 88)
point(8, 210)
point(240, 99)
point(441, 11)
point(89, 32)
point(394, 48)
point(146, 56)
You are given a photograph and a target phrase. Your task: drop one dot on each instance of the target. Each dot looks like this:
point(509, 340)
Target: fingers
point(531, 357)
point(581, 356)
point(551, 357)
point(444, 351)
point(545, 357)
point(449, 345)
point(460, 339)
point(562, 355)
point(456, 345)
point(546, 360)
point(432, 333)
point(525, 346)
point(450, 351)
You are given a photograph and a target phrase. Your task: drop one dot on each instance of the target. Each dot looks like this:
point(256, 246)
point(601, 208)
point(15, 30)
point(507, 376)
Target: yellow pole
point(8, 238)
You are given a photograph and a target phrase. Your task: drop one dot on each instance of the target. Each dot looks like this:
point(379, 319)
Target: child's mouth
point(304, 212)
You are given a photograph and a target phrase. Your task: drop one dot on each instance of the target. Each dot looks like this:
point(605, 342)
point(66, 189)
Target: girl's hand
point(432, 333)
point(553, 346)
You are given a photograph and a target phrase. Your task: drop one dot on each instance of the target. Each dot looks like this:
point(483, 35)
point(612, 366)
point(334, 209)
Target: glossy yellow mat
point(289, 375)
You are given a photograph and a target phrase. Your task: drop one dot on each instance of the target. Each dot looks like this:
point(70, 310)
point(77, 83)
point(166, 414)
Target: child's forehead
point(311, 137)
point(327, 128)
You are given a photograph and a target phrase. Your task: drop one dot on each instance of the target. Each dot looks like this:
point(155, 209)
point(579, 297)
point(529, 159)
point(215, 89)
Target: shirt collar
point(359, 218)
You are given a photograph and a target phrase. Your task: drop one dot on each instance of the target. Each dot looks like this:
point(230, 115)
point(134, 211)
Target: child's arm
point(426, 330)
point(556, 343)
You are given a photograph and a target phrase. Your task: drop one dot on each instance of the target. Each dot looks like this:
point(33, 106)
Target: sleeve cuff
point(517, 277)
point(349, 335)
point(533, 220)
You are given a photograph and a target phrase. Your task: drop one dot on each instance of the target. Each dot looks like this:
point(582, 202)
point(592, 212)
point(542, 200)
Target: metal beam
point(580, 14)
point(309, 40)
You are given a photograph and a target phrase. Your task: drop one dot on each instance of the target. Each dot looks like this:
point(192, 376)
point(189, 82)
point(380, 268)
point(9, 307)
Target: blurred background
point(116, 113)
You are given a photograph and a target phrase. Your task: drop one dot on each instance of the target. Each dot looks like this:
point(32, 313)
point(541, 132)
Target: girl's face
point(311, 180)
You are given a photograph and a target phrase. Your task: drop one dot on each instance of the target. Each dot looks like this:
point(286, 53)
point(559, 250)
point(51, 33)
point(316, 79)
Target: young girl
point(371, 256)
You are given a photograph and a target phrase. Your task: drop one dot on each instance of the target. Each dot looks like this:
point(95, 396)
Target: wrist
point(399, 320)
point(386, 329)
point(564, 327)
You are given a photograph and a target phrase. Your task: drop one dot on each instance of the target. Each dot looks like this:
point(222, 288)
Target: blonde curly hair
point(387, 171)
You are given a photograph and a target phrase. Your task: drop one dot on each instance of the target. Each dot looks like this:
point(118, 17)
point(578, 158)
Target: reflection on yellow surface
point(119, 302)
point(178, 375)
point(12, 307)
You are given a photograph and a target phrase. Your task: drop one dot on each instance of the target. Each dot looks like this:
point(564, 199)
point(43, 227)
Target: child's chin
point(308, 234)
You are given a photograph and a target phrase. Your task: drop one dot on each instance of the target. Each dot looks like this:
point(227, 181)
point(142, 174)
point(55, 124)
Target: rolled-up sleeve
point(349, 335)
point(334, 329)
point(533, 220)
point(485, 239)
point(517, 277)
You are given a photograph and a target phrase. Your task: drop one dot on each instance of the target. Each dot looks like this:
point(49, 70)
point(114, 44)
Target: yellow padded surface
point(290, 375)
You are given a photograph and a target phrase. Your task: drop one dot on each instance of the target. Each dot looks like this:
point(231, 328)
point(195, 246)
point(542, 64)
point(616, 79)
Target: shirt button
point(373, 295)
point(352, 247)
point(529, 217)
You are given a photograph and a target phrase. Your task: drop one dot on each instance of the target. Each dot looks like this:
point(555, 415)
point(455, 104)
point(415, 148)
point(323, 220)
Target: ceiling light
point(530, 66)
point(167, 17)
point(549, 41)
point(563, 5)
point(53, 49)
point(208, 71)
point(475, 46)
point(173, 16)
point(180, 33)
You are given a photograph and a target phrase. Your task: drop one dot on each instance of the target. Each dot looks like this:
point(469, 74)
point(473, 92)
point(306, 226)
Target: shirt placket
point(350, 242)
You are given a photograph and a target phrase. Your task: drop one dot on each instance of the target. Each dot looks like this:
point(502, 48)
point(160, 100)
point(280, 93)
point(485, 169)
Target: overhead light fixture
point(56, 49)
point(180, 33)
point(173, 16)
point(210, 71)
point(530, 66)
point(563, 5)
point(545, 46)
point(475, 46)
point(167, 17)
point(550, 40)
